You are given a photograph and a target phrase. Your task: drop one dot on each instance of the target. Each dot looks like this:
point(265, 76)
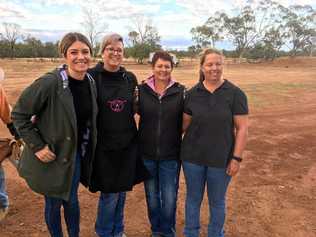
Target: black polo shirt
point(209, 140)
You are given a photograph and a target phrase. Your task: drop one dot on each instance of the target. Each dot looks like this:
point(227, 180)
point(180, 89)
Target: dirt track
point(275, 193)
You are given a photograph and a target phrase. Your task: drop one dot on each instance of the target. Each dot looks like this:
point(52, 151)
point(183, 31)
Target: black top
point(80, 90)
point(209, 140)
point(116, 124)
point(160, 122)
point(117, 164)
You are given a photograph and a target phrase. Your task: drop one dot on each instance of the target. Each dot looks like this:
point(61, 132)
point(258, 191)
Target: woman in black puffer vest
point(160, 109)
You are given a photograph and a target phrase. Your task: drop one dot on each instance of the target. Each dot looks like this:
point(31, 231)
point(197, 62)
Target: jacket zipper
point(159, 118)
point(158, 129)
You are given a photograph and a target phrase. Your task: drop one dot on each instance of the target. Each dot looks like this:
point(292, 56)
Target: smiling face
point(162, 70)
point(113, 55)
point(78, 58)
point(212, 67)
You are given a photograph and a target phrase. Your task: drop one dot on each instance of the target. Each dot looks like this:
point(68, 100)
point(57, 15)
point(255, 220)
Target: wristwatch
point(239, 159)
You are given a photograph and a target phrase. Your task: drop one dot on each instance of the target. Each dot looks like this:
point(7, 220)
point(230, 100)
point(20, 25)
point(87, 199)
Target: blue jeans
point(161, 195)
point(71, 208)
point(4, 201)
point(217, 182)
point(110, 217)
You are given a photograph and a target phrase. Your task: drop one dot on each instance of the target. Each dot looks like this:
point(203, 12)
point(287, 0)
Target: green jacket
point(50, 100)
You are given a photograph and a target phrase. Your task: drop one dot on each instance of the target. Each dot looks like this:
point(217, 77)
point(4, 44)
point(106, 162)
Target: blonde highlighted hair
point(109, 39)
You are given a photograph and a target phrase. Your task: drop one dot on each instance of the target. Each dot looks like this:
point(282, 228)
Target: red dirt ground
point(274, 194)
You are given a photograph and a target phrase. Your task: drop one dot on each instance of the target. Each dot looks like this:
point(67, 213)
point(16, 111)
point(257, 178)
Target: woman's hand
point(45, 155)
point(233, 167)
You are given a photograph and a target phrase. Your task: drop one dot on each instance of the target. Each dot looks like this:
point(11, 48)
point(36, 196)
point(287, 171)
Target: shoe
point(3, 212)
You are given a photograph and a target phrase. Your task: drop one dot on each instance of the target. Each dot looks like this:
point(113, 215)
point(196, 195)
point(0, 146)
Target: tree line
point(262, 30)
point(265, 30)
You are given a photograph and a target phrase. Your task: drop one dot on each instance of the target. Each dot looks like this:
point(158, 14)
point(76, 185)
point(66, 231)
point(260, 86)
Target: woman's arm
point(4, 107)
point(241, 126)
point(32, 100)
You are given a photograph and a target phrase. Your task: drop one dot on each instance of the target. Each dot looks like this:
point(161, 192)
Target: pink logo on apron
point(117, 105)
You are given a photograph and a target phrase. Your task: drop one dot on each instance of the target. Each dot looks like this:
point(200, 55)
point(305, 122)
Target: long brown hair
point(69, 39)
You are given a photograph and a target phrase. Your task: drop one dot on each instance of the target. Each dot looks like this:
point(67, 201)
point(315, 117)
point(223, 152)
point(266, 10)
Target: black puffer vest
point(160, 122)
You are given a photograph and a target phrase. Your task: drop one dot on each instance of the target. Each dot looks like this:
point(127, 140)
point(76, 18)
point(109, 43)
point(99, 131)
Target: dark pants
point(71, 209)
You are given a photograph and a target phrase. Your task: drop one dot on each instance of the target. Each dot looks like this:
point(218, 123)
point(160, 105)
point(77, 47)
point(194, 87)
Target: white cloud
point(158, 1)
point(122, 9)
point(204, 8)
point(177, 24)
point(11, 10)
point(287, 3)
point(46, 35)
point(110, 9)
point(208, 7)
point(52, 18)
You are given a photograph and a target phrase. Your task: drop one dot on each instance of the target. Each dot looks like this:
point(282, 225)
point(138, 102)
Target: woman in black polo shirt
point(215, 122)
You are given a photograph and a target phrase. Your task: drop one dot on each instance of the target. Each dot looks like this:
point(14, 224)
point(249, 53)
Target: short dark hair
point(71, 38)
point(161, 55)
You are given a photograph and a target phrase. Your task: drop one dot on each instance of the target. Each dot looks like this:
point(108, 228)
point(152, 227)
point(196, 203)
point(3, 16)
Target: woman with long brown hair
point(56, 117)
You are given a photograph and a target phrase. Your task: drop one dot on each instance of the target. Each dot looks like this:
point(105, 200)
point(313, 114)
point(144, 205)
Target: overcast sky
point(48, 20)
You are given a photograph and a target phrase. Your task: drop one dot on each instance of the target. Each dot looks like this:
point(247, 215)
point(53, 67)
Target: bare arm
point(241, 125)
point(4, 107)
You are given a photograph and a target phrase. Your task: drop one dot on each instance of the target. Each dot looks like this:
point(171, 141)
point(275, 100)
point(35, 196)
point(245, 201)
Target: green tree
point(272, 43)
point(4, 49)
point(32, 47)
point(209, 33)
point(193, 51)
point(93, 25)
point(143, 39)
point(50, 50)
point(11, 34)
point(244, 28)
point(251, 23)
point(299, 28)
